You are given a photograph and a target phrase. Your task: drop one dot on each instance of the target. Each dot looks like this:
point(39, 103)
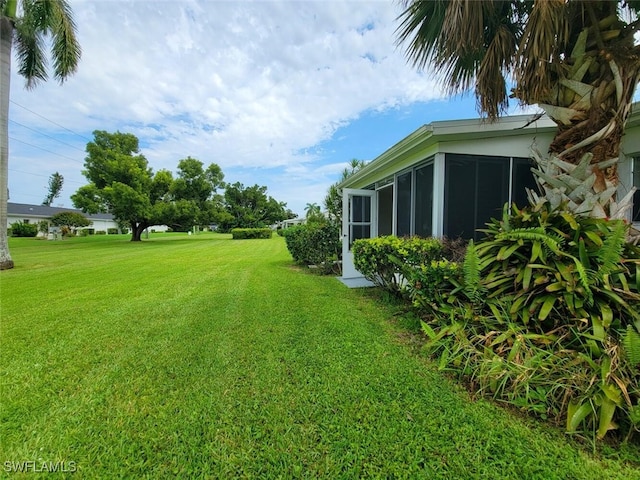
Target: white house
point(450, 178)
point(25, 213)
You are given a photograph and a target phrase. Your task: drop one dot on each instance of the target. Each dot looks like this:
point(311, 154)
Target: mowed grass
point(205, 357)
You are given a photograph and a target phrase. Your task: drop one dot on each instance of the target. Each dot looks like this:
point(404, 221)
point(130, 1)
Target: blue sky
point(278, 93)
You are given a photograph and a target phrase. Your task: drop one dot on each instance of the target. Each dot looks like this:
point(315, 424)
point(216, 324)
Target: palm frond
point(32, 63)
point(40, 19)
point(65, 50)
point(545, 35)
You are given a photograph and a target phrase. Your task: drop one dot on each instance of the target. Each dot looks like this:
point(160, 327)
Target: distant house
point(25, 213)
point(450, 178)
point(291, 222)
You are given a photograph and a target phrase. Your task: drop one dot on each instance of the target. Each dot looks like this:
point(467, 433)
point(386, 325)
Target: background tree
point(69, 221)
point(195, 194)
point(250, 207)
point(575, 59)
point(122, 183)
point(313, 213)
point(38, 20)
point(56, 181)
point(333, 199)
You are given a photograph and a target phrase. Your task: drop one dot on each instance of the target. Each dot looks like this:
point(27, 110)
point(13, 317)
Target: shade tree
point(250, 207)
point(123, 184)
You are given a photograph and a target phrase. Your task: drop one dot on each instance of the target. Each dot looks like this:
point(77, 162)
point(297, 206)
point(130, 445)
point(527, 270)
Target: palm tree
point(575, 59)
point(29, 25)
point(313, 210)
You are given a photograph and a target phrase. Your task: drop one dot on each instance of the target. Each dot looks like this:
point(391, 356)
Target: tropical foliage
point(29, 24)
point(543, 313)
point(576, 60)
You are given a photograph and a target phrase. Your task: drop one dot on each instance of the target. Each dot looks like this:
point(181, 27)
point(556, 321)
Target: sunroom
point(449, 178)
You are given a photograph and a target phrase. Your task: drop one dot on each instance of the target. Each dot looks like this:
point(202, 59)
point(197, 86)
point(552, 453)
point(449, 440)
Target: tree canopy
point(70, 220)
point(194, 194)
point(122, 183)
point(250, 207)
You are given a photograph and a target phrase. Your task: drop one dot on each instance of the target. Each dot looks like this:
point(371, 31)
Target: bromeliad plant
point(575, 279)
point(532, 254)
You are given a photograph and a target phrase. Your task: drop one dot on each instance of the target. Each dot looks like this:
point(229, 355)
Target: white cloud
point(243, 84)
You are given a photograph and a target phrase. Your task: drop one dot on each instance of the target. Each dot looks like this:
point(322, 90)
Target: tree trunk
point(136, 231)
point(598, 128)
point(6, 38)
point(591, 102)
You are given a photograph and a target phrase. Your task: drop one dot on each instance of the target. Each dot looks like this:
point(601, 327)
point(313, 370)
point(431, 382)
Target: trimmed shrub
point(100, 232)
point(251, 233)
point(114, 231)
point(314, 244)
point(388, 261)
point(20, 229)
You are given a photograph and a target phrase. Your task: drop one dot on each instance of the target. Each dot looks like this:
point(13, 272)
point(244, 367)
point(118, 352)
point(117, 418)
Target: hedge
point(385, 260)
point(314, 244)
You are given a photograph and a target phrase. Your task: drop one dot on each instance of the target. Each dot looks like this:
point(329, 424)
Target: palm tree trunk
point(6, 38)
point(597, 128)
point(591, 102)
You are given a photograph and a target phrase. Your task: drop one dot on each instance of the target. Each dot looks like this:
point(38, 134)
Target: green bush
point(20, 229)
point(388, 261)
point(430, 285)
point(314, 244)
point(545, 314)
point(250, 233)
point(114, 231)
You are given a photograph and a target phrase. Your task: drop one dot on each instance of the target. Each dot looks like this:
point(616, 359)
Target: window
point(403, 205)
point(385, 210)
point(476, 188)
point(424, 201)
point(414, 201)
point(636, 196)
point(521, 179)
point(360, 218)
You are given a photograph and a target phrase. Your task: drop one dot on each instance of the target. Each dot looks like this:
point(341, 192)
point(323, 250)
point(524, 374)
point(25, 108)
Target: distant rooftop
point(46, 212)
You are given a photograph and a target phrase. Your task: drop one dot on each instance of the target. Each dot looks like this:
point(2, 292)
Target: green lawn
point(205, 357)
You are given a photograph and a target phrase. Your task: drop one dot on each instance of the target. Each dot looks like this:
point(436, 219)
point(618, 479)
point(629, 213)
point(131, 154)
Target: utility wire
point(51, 121)
point(44, 149)
point(45, 135)
point(44, 176)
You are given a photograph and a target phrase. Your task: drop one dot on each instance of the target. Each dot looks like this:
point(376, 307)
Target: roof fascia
point(430, 135)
